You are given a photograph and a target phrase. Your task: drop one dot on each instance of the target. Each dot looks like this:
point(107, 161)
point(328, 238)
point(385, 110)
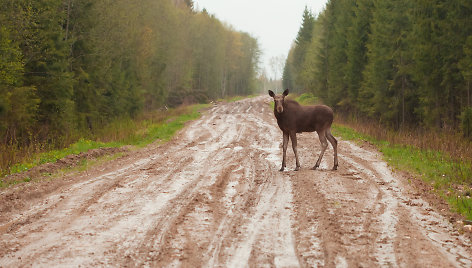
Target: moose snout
point(280, 109)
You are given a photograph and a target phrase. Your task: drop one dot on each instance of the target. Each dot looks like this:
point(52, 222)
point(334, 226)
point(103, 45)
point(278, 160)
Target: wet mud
point(213, 197)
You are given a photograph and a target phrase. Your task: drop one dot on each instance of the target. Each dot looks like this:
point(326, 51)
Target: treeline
point(400, 62)
point(69, 67)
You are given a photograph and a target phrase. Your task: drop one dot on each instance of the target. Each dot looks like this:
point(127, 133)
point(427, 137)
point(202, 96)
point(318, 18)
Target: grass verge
point(119, 133)
point(449, 172)
point(450, 178)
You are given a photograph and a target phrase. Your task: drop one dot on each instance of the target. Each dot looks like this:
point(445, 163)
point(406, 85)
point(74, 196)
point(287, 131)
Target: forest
point(69, 67)
point(403, 64)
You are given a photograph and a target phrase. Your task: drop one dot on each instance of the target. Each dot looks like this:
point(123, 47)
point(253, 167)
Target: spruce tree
point(302, 43)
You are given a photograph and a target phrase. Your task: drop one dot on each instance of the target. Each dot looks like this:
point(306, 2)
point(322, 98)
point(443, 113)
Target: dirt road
point(213, 197)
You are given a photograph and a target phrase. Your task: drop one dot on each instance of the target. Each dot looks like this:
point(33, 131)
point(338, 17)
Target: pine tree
point(288, 80)
point(18, 104)
point(356, 52)
point(385, 88)
point(339, 18)
point(68, 67)
point(302, 43)
point(430, 55)
point(46, 53)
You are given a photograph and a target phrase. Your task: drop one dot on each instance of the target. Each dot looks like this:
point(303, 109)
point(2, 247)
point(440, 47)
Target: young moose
point(293, 118)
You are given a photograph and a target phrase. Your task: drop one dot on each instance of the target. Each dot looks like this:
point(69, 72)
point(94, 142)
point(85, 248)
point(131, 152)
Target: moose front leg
point(284, 148)
point(293, 137)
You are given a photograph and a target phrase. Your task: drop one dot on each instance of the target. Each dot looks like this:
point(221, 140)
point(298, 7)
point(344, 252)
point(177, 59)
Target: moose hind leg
point(293, 137)
point(334, 143)
point(284, 148)
point(324, 145)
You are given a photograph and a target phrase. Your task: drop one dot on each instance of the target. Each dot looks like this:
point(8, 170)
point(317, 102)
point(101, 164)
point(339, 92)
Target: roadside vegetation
point(398, 74)
point(159, 126)
point(398, 63)
point(441, 159)
point(82, 74)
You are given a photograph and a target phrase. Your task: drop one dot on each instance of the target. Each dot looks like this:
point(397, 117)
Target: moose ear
point(271, 93)
point(285, 92)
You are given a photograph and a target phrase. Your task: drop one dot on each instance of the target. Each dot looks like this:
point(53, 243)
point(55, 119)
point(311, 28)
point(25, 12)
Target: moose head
point(278, 100)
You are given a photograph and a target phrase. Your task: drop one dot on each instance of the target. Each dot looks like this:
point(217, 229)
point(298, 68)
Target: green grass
point(84, 164)
point(451, 179)
point(350, 134)
point(166, 130)
point(126, 131)
point(52, 156)
point(307, 99)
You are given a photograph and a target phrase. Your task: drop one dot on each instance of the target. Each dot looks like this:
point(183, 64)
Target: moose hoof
point(297, 168)
point(314, 168)
point(281, 169)
point(335, 168)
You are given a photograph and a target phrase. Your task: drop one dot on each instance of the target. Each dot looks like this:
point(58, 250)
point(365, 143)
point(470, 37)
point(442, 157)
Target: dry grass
point(440, 158)
point(447, 141)
point(121, 131)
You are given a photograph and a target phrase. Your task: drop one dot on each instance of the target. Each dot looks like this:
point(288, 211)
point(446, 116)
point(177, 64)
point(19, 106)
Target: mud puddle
point(213, 197)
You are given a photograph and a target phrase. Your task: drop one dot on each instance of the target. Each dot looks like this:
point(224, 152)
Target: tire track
point(213, 197)
point(231, 213)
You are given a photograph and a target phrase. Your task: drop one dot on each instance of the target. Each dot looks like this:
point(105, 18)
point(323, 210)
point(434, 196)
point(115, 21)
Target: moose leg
point(324, 145)
point(284, 147)
point(334, 143)
point(293, 137)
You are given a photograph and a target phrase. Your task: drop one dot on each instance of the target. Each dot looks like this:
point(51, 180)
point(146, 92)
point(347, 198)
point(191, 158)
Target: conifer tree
point(70, 67)
point(302, 43)
point(339, 19)
point(386, 75)
point(18, 104)
point(356, 52)
point(288, 80)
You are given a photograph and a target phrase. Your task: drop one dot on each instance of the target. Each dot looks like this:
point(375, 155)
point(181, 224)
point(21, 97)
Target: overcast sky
point(275, 23)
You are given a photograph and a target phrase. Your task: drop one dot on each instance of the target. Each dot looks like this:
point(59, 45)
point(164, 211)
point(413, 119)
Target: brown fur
point(294, 118)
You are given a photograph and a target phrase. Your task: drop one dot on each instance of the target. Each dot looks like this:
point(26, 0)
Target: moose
point(294, 118)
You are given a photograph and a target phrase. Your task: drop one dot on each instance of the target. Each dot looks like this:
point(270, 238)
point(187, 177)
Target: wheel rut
point(213, 197)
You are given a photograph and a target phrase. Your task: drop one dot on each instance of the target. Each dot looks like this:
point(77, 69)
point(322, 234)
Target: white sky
point(275, 23)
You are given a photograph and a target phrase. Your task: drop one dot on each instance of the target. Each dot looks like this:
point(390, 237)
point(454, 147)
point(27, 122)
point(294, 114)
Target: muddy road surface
point(214, 197)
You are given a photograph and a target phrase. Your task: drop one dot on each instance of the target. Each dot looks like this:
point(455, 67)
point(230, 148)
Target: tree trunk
point(68, 19)
point(223, 84)
point(468, 93)
point(403, 100)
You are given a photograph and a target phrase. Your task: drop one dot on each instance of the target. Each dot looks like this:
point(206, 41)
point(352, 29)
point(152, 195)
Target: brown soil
point(214, 197)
